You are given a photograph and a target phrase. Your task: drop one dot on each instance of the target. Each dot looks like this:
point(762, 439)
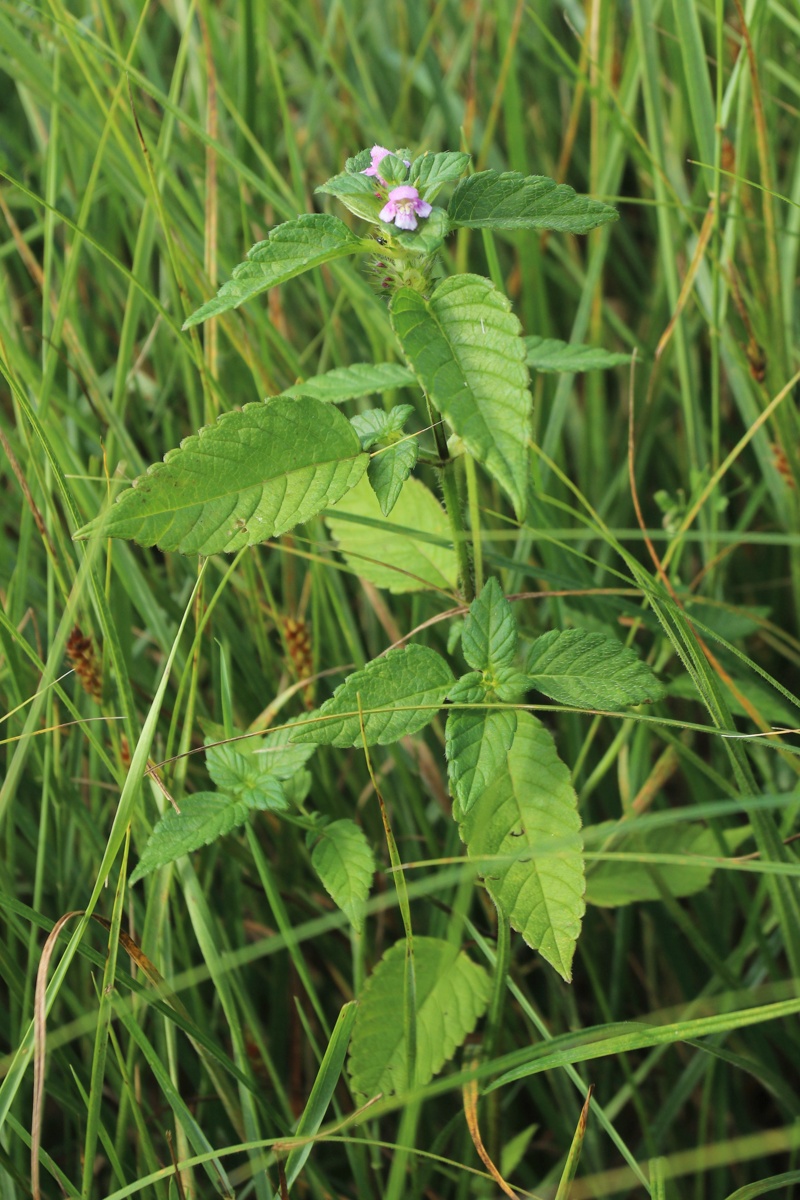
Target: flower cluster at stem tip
point(404, 203)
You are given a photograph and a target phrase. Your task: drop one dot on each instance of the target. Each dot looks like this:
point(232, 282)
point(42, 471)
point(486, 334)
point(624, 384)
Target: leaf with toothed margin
point(291, 248)
point(509, 200)
point(251, 476)
point(464, 344)
point(524, 830)
point(489, 638)
point(452, 994)
point(477, 742)
point(399, 693)
point(343, 859)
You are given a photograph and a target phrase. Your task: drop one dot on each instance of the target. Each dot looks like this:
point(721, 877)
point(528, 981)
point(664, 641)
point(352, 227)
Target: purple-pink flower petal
point(404, 206)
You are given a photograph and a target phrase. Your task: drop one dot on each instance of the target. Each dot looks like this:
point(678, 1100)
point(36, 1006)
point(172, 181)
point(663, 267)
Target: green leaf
point(253, 475)
point(590, 670)
point(356, 192)
point(431, 172)
point(389, 469)
point(279, 756)
point(477, 743)
point(489, 638)
point(452, 993)
point(464, 346)
point(613, 883)
point(358, 163)
point(343, 859)
point(407, 686)
point(291, 248)
point(353, 382)
point(427, 237)
point(239, 776)
point(406, 552)
point(551, 354)
point(376, 425)
point(525, 827)
point(491, 200)
point(203, 818)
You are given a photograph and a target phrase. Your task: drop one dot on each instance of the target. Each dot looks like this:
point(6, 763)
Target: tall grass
point(143, 149)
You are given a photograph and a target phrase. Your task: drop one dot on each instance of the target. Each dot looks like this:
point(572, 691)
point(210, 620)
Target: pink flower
point(404, 206)
point(377, 153)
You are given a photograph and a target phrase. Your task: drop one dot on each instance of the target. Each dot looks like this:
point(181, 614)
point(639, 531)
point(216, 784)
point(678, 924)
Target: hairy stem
point(452, 503)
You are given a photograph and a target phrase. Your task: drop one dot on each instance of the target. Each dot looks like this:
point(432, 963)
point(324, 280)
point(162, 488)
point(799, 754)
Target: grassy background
point(143, 149)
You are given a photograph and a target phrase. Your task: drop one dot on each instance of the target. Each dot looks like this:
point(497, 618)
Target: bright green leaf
point(291, 248)
point(376, 425)
point(252, 475)
point(353, 382)
point(452, 993)
point(525, 829)
point(476, 744)
point(489, 638)
point(356, 192)
point(427, 237)
point(431, 172)
point(343, 859)
point(612, 883)
point(279, 756)
point(590, 670)
point(239, 776)
point(464, 346)
point(203, 818)
point(491, 200)
point(389, 469)
point(406, 552)
point(406, 686)
point(551, 354)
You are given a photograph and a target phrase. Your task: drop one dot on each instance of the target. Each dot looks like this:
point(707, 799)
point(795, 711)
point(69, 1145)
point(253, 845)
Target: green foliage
point(551, 354)
point(399, 694)
point(476, 745)
point(489, 637)
point(291, 248)
point(390, 468)
point(464, 346)
point(204, 817)
point(254, 474)
point(509, 200)
point(408, 551)
point(353, 382)
point(590, 670)
point(523, 828)
point(610, 884)
point(431, 172)
point(356, 192)
point(452, 993)
point(343, 859)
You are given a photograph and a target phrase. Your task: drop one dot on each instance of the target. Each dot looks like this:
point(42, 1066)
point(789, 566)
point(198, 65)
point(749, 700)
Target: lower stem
point(452, 504)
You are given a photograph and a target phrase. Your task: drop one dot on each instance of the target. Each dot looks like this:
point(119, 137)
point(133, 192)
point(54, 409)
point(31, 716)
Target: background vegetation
point(143, 149)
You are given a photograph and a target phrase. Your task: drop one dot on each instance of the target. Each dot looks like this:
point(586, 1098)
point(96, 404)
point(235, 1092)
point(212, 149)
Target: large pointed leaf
point(491, 200)
point(203, 818)
point(406, 687)
point(353, 382)
point(477, 742)
point(590, 670)
point(291, 248)
point(489, 638)
point(253, 475)
point(452, 993)
point(525, 828)
point(551, 354)
point(464, 346)
point(408, 551)
point(615, 882)
point(343, 859)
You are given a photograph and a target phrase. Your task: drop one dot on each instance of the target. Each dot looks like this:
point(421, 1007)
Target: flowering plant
point(262, 470)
